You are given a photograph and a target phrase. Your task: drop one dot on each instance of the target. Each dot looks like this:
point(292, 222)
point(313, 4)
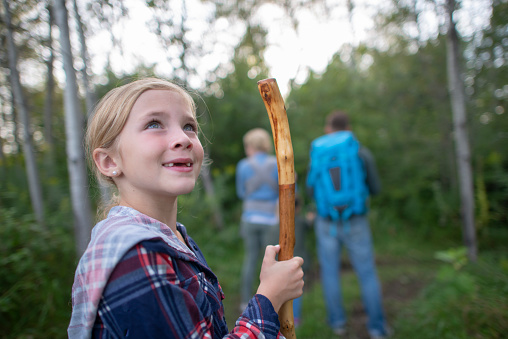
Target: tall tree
point(463, 150)
point(50, 90)
point(2, 155)
point(74, 135)
point(22, 107)
point(90, 95)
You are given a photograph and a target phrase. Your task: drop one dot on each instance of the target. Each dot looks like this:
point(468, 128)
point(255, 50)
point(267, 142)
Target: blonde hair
point(111, 113)
point(259, 139)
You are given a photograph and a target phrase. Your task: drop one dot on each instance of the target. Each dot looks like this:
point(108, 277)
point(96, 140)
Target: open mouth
point(178, 164)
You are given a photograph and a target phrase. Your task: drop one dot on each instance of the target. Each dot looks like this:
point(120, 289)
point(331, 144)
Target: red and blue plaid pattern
point(156, 288)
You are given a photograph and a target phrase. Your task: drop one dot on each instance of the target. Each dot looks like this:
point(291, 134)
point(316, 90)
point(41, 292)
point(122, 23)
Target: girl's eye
point(153, 124)
point(189, 128)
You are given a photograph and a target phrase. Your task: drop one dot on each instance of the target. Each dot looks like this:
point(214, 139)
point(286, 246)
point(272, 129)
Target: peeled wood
point(276, 110)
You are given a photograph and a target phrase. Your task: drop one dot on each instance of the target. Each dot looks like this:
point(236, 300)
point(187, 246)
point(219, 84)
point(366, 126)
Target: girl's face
point(159, 154)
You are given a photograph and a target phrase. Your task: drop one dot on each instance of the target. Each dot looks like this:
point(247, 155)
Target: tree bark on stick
point(74, 136)
point(19, 99)
point(463, 151)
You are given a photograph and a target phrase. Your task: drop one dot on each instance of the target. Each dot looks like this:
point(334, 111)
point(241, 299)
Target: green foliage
point(399, 108)
point(486, 82)
point(423, 298)
point(471, 302)
point(455, 256)
point(36, 267)
point(449, 293)
point(36, 263)
point(391, 114)
point(235, 106)
point(492, 190)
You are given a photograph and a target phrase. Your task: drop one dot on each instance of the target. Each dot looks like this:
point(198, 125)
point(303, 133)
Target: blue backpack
point(337, 176)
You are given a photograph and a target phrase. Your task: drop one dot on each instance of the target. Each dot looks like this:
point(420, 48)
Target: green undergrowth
point(429, 290)
point(36, 273)
point(468, 303)
point(425, 295)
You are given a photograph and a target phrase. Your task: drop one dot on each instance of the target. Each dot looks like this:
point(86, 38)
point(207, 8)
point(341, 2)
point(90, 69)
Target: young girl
point(142, 275)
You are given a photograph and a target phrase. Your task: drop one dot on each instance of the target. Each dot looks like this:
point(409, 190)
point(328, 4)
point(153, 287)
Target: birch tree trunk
point(90, 96)
point(74, 134)
point(15, 120)
point(49, 99)
point(2, 156)
point(2, 121)
point(28, 149)
point(463, 152)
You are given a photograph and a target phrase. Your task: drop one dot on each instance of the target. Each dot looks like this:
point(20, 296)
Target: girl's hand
point(280, 280)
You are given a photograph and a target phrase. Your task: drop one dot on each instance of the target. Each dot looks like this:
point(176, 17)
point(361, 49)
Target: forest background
point(395, 85)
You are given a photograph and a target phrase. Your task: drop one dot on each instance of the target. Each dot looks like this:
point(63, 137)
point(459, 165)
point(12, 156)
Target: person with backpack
point(341, 177)
point(257, 185)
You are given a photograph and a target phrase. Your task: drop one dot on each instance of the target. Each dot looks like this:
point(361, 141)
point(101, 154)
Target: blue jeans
point(355, 235)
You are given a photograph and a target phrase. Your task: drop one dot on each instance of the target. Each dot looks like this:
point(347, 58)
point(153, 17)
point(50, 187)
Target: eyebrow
point(155, 114)
point(151, 115)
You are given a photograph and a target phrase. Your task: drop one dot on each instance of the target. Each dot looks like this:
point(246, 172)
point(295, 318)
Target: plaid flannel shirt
point(137, 280)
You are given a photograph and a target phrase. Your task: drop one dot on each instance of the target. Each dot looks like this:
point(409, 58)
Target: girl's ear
point(105, 162)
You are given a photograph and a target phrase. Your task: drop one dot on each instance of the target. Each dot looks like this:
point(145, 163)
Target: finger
point(271, 251)
point(299, 260)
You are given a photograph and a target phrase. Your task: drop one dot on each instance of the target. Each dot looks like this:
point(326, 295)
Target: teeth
point(171, 164)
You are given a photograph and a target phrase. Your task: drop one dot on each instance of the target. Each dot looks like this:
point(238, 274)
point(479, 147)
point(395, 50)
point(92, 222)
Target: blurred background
point(424, 81)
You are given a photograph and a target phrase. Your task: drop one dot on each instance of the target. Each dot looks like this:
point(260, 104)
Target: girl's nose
point(181, 140)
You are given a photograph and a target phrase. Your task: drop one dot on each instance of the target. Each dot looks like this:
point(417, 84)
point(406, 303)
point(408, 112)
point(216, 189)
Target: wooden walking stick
point(286, 168)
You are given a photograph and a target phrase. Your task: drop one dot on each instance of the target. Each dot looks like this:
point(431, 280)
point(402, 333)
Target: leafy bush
point(36, 274)
point(468, 303)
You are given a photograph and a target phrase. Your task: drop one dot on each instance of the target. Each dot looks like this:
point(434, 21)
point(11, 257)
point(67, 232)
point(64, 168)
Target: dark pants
point(256, 237)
